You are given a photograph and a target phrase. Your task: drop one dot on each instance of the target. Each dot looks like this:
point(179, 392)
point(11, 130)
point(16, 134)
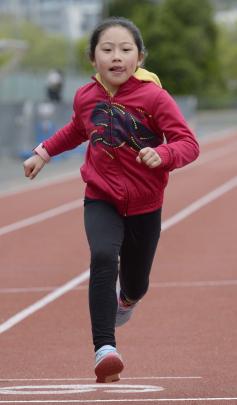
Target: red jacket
point(140, 114)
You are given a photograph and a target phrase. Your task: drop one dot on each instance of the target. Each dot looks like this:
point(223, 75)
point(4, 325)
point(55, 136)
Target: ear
point(140, 59)
point(93, 63)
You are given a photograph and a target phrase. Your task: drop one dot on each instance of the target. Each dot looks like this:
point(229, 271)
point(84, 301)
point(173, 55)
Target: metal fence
point(24, 125)
point(19, 87)
point(27, 118)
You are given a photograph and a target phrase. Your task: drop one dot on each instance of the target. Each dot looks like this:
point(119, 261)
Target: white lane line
point(84, 276)
point(38, 183)
point(43, 216)
point(209, 156)
point(53, 389)
point(184, 284)
point(44, 301)
point(200, 203)
point(190, 209)
point(93, 379)
point(93, 401)
point(22, 290)
point(215, 136)
point(204, 158)
point(169, 284)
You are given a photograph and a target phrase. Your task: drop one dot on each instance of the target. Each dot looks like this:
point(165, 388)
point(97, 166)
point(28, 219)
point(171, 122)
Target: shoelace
point(103, 351)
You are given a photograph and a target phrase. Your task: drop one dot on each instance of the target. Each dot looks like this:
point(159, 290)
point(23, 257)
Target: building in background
point(75, 18)
point(227, 17)
point(71, 18)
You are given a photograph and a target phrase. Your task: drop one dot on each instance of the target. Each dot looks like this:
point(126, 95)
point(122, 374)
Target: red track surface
point(183, 335)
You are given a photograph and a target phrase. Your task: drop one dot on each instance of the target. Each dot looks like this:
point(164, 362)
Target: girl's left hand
point(149, 157)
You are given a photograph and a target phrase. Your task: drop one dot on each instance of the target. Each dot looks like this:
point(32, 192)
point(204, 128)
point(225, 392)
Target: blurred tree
point(82, 61)
point(4, 58)
point(44, 51)
point(228, 52)
point(181, 38)
point(5, 54)
point(120, 7)
point(187, 54)
point(6, 26)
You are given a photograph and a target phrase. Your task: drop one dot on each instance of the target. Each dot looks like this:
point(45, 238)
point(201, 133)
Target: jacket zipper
point(125, 186)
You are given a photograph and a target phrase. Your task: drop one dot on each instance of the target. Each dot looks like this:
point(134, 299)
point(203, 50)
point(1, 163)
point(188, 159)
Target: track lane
point(190, 314)
point(15, 207)
point(38, 196)
point(166, 225)
point(55, 268)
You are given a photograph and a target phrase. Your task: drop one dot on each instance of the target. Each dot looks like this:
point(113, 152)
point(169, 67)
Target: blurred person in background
point(54, 85)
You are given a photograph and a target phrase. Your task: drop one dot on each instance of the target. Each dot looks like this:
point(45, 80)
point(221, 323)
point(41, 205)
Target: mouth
point(118, 69)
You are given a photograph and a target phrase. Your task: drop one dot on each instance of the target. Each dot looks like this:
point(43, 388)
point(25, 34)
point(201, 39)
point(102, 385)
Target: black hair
point(111, 22)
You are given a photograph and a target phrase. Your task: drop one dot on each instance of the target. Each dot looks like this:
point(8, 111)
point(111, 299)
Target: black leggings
point(109, 234)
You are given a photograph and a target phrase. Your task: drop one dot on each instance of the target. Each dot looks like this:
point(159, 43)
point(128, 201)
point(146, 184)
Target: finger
point(34, 173)
point(154, 161)
point(28, 171)
point(32, 176)
point(149, 161)
point(138, 159)
point(148, 156)
point(154, 164)
point(144, 151)
point(27, 167)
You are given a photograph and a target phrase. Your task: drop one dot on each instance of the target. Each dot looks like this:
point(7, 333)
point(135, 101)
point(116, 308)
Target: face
point(116, 57)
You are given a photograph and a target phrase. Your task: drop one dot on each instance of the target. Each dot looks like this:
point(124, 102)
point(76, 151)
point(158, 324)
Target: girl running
point(137, 135)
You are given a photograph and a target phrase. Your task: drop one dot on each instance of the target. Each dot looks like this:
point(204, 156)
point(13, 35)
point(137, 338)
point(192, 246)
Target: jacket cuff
point(164, 154)
point(42, 152)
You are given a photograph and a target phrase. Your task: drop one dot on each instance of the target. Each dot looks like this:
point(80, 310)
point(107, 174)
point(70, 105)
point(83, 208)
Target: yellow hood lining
point(140, 74)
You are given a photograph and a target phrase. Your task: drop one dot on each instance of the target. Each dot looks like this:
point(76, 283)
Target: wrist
point(42, 152)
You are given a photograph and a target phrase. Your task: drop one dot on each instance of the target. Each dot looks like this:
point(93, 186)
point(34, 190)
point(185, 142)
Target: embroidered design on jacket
point(126, 128)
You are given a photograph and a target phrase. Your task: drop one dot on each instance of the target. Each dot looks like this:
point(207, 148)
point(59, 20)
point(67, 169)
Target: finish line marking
point(103, 401)
point(92, 379)
point(175, 219)
point(78, 389)
point(93, 388)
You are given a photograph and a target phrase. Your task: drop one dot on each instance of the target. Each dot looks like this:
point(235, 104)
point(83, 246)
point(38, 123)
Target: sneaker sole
point(108, 369)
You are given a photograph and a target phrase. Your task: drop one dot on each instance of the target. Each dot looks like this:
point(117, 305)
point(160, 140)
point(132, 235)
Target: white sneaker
point(108, 364)
point(124, 312)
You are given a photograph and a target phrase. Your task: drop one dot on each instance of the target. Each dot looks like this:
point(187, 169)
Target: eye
point(106, 49)
point(126, 49)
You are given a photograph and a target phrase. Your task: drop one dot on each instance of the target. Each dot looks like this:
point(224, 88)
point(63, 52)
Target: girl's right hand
point(33, 165)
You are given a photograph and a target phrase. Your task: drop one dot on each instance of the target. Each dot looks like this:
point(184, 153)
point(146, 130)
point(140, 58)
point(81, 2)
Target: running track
point(180, 346)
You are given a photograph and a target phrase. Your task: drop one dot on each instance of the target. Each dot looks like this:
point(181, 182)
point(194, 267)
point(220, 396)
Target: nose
point(116, 54)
